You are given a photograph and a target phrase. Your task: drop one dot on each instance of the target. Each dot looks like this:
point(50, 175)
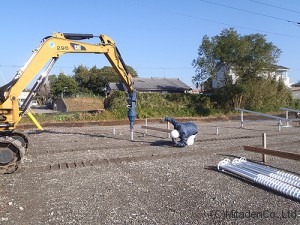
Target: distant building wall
point(296, 92)
point(23, 96)
point(60, 105)
point(280, 73)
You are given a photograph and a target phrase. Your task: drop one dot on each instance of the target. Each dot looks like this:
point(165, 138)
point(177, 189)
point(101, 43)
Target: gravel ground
point(146, 181)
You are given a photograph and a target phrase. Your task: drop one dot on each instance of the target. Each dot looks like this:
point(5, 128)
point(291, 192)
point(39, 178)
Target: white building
point(280, 73)
point(23, 96)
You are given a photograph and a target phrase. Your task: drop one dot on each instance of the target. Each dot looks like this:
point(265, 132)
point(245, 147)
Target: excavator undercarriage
point(13, 147)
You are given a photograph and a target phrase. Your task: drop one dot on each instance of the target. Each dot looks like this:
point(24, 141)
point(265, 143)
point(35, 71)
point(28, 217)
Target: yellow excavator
point(13, 145)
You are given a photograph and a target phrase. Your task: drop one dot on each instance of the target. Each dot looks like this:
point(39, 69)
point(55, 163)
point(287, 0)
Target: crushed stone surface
point(146, 181)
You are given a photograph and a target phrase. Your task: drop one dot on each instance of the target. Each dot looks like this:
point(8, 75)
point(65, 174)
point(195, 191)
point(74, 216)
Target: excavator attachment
point(131, 108)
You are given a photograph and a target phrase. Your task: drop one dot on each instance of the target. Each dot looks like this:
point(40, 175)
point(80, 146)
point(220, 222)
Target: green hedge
point(154, 105)
point(158, 105)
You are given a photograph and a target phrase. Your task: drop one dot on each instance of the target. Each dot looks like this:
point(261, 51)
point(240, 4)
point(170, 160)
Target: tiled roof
point(154, 84)
point(159, 84)
point(296, 84)
point(116, 86)
point(281, 67)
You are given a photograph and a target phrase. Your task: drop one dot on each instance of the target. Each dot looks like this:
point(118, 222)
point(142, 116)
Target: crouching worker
point(186, 132)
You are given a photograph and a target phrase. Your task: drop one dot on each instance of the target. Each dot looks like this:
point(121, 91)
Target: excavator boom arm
point(58, 44)
point(13, 145)
point(52, 47)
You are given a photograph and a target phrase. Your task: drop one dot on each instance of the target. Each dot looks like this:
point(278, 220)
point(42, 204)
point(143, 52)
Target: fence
point(279, 119)
point(287, 110)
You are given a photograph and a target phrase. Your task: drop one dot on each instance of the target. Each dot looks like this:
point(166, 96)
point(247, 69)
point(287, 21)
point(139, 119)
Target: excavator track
point(12, 149)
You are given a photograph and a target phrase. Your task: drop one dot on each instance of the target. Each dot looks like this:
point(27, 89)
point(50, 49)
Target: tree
point(90, 81)
point(43, 93)
point(111, 75)
point(62, 84)
point(94, 80)
point(132, 71)
point(249, 56)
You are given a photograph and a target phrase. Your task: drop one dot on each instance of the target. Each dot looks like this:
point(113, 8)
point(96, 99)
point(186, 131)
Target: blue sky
point(158, 38)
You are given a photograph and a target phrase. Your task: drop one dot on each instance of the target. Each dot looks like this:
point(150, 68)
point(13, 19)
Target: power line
point(141, 68)
point(164, 68)
point(10, 66)
point(211, 21)
point(138, 68)
point(248, 11)
point(275, 6)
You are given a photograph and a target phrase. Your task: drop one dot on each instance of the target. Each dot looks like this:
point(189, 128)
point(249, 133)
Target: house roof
point(296, 84)
point(154, 84)
point(116, 86)
point(159, 84)
point(281, 67)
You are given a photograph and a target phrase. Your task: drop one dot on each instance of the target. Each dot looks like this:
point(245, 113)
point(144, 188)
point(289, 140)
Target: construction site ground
point(95, 175)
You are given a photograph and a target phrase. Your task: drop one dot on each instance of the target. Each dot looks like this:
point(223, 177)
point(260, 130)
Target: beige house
point(280, 73)
point(296, 90)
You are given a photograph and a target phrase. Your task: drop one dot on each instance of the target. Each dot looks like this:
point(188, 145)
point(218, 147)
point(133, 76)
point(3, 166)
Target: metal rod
point(291, 110)
point(261, 114)
point(264, 145)
point(276, 176)
point(287, 117)
point(278, 186)
point(242, 119)
point(40, 81)
point(227, 165)
point(279, 125)
point(131, 135)
point(269, 172)
point(259, 178)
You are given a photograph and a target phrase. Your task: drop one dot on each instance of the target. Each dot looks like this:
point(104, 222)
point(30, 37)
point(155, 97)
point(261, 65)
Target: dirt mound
point(83, 104)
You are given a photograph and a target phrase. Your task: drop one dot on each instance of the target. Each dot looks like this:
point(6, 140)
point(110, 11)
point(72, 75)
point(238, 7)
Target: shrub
point(160, 104)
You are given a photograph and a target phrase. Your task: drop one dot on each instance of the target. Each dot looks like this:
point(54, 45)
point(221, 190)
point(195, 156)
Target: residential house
point(280, 73)
point(23, 97)
point(296, 90)
point(161, 85)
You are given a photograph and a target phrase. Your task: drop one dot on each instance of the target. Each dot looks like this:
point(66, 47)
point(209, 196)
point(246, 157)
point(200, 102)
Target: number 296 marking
point(62, 48)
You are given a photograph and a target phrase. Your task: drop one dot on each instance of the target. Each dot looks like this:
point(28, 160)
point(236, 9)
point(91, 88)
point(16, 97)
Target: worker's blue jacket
point(185, 130)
